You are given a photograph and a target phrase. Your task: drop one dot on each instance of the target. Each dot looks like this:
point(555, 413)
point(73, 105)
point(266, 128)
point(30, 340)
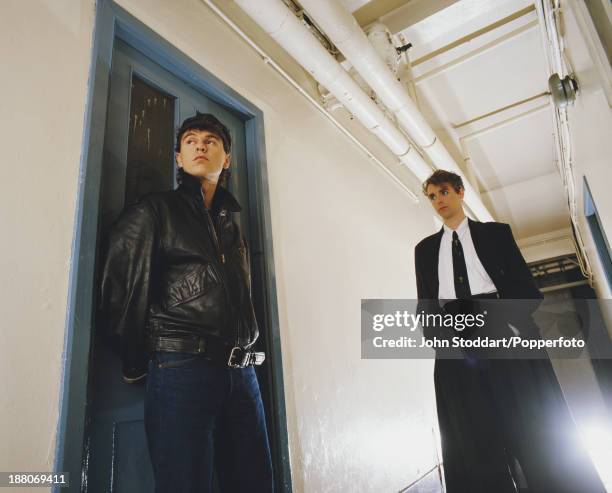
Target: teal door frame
point(114, 22)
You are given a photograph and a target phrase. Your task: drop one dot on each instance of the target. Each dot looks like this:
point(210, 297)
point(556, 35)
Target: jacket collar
point(473, 225)
point(460, 228)
point(223, 198)
point(480, 245)
point(483, 246)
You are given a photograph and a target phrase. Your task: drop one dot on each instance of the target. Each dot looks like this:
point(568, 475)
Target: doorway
point(138, 98)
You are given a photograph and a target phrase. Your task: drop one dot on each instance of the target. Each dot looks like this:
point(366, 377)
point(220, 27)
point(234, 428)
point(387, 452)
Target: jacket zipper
point(221, 257)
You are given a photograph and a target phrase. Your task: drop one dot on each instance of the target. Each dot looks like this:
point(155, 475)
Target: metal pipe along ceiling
point(343, 30)
point(283, 26)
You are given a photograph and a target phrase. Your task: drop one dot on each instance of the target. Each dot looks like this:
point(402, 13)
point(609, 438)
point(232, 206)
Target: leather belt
point(233, 356)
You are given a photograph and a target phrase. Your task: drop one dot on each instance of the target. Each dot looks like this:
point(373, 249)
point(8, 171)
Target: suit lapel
point(485, 251)
point(483, 247)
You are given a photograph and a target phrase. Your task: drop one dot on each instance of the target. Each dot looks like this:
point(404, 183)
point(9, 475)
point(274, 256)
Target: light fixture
point(563, 91)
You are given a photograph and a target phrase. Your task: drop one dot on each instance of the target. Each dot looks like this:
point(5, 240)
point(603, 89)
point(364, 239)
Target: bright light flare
point(597, 439)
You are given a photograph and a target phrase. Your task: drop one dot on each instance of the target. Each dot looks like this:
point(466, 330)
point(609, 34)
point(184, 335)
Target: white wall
point(45, 50)
point(342, 231)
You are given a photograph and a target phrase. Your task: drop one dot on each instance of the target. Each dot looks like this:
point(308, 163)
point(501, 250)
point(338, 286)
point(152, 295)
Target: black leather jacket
point(172, 268)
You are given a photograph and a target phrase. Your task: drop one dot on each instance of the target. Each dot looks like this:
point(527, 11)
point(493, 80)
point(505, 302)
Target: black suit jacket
point(498, 253)
point(504, 263)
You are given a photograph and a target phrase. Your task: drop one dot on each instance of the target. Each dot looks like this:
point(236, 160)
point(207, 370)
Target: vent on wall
point(561, 273)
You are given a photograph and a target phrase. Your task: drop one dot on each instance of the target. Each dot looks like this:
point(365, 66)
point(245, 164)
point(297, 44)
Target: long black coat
point(503, 423)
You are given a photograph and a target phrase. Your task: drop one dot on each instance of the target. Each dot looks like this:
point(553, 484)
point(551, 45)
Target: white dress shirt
point(480, 282)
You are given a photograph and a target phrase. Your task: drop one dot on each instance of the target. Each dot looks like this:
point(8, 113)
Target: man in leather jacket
point(176, 301)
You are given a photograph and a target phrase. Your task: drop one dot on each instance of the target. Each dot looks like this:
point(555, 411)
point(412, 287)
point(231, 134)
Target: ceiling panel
point(510, 72)
point(514, 152)
point(534, 207)
point(352, 5)
point(448, 24)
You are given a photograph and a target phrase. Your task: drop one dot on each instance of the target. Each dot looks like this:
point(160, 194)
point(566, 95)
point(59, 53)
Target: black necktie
point(462, 283)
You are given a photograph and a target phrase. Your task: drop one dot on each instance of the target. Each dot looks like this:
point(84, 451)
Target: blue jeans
point(201, 414)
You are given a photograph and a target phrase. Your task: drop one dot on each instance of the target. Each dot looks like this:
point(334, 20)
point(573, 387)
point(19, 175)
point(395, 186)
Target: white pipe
point(266, 58)
point(284, 27)
point(343, 30)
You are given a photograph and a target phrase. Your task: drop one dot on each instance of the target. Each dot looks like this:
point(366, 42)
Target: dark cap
point(206, 122)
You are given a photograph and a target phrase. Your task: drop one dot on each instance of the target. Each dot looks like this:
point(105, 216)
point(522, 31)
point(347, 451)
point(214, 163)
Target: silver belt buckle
point(248, 358)
point(243, 361)
point(257, 358)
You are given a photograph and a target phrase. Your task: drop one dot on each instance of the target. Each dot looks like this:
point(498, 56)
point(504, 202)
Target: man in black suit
point(504, 423)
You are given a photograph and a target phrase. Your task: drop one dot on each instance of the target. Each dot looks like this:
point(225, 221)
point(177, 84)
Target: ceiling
point(479, 75)
point(480, 78)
